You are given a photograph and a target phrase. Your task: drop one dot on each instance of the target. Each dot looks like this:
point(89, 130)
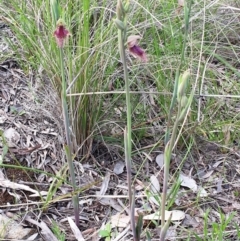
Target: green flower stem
point(167, 159)
point(68, 147)
point(128, 133)
point(169, 141)
point(187, 10)
point(128, 103)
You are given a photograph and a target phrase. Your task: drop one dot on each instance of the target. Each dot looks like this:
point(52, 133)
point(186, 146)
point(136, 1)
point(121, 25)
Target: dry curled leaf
point(187, 181)
point(104, 186)
point(177, 215)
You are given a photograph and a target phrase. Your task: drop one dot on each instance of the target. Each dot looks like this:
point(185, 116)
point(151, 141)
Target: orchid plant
point(138, 52)
point(61, 33)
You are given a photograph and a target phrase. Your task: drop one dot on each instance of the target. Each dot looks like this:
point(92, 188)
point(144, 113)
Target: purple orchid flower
point(135, 49)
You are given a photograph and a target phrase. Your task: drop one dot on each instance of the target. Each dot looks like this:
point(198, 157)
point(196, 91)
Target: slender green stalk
point(167, 159)
point(129, 183)
point(178, 95)
point(68, 147)
point(121, 22)
point(183, 106)
point(173, 101)
point(128, 139)
point(128, 103)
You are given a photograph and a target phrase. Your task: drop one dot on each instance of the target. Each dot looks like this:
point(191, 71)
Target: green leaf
point(108, 227)
point(139, 226)
point(104, 233)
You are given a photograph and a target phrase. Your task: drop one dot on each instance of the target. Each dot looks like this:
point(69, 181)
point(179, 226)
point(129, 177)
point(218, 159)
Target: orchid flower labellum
point(135, 49)
point(61, 33)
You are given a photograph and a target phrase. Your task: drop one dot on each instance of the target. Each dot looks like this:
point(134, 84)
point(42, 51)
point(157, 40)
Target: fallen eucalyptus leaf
point(187, 181)
point(160, 160)
point(119, 167)
point(207, 175)
point(202, 192)
point(120, 220)
point(12, 137)
point(111, 202)
point(155, 186)
point(177, 215)
point(11, 229)
point(77, 233)
point(104, 186)
point(45, 230)
point(8, 184)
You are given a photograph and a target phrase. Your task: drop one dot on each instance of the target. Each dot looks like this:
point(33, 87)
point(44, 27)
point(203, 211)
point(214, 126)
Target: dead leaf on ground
point(12, 137)
point(119, 167)
point(11, 229)
point(104, 186)
point(187, 181)
point(154, 199)
point(155, 185)
point(77, 233)
point(160, 160)
point(111, 202)
point(215, 165)
point(177, 215)
point(45, 230)
point(120, 220)
point(8, 184)
point(207, 175)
